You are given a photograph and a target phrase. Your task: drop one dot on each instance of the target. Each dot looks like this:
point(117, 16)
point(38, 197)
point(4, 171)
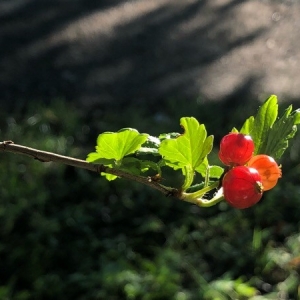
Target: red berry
point(236, 149)
point(267, 168)
point(242, 187)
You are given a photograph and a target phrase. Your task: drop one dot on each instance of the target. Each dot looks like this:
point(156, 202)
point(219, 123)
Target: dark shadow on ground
point(154, 56)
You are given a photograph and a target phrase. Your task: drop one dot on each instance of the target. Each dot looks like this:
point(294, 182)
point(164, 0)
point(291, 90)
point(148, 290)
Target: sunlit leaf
point(209, 171)
point(116, 145)
point(271, 135)
point(190, 148)
point(112, 147)
point(171, 135)
point(284, 129)
point(248, 125)
point(263, 122)
point(150, 146)
point(94, 158)
point(215, 171)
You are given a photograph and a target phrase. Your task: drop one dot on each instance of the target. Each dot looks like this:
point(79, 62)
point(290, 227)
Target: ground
point(114, 51)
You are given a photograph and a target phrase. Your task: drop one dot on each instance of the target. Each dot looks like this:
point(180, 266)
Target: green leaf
point(171, 135)
point(297, 117)
point(209, 171)
point(284, 129)
point(203, 168)
point(215, 171)
point(94, 158)
point(248, 125)
point(137, 166)
point(190, 148)
point(150, 146)
point(113, 146)
point(116, 145)
point(109, 177)
point(148, 164)
point(234, 130)
point(132, 165)
point(271, 135)
point(263, 122)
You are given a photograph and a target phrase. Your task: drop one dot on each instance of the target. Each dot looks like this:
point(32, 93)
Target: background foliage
point(69, 234)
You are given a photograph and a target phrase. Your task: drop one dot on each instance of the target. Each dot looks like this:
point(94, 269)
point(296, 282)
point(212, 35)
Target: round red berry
point(236, 149)
point(242, 187)
point(267, 168)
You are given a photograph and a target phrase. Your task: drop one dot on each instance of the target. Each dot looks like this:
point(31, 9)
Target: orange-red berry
point(267, 168)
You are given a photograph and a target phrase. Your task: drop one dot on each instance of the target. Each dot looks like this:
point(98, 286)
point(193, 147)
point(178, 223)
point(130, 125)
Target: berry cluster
point(248, 176)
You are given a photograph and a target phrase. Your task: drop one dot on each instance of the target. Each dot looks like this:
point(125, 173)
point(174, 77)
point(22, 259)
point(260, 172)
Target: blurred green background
point(70, 70)
point(69, 234)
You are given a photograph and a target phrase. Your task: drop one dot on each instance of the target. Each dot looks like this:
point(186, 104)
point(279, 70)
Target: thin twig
point(44, 156)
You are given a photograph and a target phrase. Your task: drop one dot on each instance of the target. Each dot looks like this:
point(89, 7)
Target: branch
point(44, 156)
